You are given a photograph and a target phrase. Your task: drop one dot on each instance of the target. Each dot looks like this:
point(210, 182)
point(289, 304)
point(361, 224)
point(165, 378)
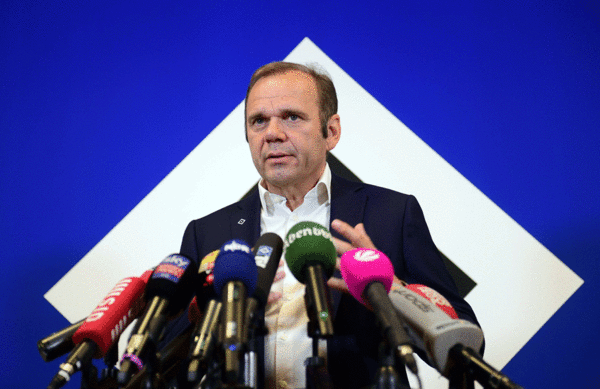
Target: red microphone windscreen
point(146, 275)
point(110, 318)
point(435, 297)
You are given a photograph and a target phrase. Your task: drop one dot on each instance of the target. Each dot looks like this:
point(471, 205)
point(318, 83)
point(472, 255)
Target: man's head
point(284, 126)
point(328, 103)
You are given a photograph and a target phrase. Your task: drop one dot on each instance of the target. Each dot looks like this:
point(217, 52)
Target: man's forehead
point(291, 82)
point(290, 76)
point(292, 88)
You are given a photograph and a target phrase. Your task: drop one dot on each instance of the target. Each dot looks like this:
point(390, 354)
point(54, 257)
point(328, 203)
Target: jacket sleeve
point(423, 263)
point(189, 246)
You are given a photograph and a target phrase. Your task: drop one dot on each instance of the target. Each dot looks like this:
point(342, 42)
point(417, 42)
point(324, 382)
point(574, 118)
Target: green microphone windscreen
point(308, 244)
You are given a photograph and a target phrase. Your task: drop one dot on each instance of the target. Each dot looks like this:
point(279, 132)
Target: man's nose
point(274, 131)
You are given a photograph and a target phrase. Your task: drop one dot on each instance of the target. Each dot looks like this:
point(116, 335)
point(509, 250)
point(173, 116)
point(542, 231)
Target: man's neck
point(293, 194)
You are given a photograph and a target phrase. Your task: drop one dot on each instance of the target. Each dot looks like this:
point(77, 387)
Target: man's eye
point(293, 118)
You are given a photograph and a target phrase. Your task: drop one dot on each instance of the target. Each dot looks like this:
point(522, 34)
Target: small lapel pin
point(242, 221)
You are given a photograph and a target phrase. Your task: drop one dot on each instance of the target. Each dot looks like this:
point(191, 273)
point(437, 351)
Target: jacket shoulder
point(343, 187)
point(247, 202)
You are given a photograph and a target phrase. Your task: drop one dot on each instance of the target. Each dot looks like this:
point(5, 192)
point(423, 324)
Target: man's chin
point(280, 177)
point(279, 181)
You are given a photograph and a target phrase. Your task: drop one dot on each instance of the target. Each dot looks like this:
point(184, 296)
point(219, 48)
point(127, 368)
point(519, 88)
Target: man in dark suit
point(291, 124)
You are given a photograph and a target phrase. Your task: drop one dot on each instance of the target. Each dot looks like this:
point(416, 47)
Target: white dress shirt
point(287, 346)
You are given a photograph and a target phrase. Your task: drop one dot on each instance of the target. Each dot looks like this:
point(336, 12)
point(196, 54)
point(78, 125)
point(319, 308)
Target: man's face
point(284, 130)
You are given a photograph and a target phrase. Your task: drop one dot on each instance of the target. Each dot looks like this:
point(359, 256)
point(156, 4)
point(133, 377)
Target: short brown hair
point(328, 103)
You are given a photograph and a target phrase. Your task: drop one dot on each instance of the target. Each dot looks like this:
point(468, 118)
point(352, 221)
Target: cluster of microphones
point(226, 295)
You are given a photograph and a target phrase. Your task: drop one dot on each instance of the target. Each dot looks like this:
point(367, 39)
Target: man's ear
point(334, 131)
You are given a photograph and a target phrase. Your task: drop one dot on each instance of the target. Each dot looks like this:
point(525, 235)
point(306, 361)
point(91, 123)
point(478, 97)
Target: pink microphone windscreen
point(362, 266)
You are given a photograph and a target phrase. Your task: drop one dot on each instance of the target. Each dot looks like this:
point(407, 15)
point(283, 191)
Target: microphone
point(58, 343)
point(448, 342)
point(204, 334)
point(369, 275)
point(468, 360)
point(235, 277)
point(169, 357)
point(169, 290)
point(205, 290)
point(103, 327)
point(435, 330)
point(204, 338)
point(311, 257)
point(267, 253)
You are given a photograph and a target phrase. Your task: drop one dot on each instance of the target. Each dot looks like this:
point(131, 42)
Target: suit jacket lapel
point(245, 219)
point(347, 204)
point(347, 201)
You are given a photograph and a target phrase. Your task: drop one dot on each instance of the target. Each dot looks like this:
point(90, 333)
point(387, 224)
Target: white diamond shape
point(520, 284)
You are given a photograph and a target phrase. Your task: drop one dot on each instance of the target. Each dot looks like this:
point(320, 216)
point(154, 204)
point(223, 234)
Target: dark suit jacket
point(396, 225)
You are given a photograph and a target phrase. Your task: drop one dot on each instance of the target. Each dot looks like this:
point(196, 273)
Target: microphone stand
point(108, 375)
point(467, 366)
point(212, 378)
point(255, 322)
point(460, 379)
point(162, 366)
point(215, 376)
point(387, 376)
point(89, 376)
point(460, 374)
point(317, 376)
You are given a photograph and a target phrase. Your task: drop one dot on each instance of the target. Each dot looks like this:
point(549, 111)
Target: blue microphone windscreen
point(235, 262)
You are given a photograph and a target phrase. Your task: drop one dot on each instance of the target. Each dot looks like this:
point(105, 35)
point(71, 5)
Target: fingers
point(356, 236)
point(341, 246)
point(338, 284)
point(280, 275)
point(399, 281)
point(273, 297)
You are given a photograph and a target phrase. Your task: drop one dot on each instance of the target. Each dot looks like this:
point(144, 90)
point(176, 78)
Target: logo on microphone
point(262, 256)
point(171, 268)
point(236, 246)
point(366, 255)
point(108, 300)
point(307, 231)
point(206, 268)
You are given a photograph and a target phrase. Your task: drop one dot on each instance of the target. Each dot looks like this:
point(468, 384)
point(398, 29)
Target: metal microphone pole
point(320, 326)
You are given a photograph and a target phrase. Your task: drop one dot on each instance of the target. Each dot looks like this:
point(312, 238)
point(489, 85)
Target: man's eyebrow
point(291, 111)
point(285, 112)
point(254, 116)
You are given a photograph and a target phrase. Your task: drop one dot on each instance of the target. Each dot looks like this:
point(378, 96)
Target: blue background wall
point(98, 102)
